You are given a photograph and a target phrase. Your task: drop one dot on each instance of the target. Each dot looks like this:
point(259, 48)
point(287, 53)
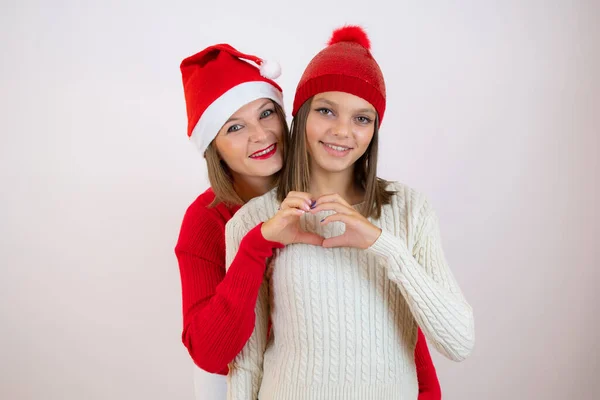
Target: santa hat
point(345, 65)
point(217, 82)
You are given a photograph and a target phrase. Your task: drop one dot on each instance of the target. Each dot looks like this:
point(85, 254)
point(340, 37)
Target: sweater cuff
point(255, 242)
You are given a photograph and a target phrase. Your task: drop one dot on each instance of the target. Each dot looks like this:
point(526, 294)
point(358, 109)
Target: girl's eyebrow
point(333, 104)
point(328, 102)
point(366, 110)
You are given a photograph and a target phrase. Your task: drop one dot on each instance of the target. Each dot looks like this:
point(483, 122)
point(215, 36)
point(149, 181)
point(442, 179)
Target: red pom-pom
point(351, 33)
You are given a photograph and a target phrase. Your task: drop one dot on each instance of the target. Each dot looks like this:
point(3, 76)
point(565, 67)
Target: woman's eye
point(364, 120)
point(234, 128)
point(324, 111)
point(266, 113)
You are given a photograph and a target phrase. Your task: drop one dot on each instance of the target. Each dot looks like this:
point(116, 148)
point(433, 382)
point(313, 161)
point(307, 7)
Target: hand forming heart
point(359, 233)
point(284, 226)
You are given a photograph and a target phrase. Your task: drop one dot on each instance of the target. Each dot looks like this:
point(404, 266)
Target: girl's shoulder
point(404, 195)
point(255, 211)
point(407, 204)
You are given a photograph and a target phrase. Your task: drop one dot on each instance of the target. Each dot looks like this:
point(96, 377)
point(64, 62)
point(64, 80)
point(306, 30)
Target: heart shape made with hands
point(284, 227)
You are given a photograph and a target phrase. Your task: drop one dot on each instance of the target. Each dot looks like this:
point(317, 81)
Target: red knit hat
point(217, 82)
point(346, 65)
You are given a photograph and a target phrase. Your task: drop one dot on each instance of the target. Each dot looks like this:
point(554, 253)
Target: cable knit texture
point(344, 320)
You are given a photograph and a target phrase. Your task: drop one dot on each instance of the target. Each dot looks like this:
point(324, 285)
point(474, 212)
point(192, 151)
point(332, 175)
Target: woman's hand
point(360, 233)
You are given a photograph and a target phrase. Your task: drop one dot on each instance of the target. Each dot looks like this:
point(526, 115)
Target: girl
point(236, 119)
point(345, 314)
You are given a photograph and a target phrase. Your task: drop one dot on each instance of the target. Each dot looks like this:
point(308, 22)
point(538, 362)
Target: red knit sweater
point(218, 308)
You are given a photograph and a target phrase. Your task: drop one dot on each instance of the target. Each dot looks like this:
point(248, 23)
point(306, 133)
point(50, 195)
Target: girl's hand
point(360, 233)
point(284, 227)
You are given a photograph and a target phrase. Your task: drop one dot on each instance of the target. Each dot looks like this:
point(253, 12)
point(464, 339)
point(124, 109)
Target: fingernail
point(313, 204)
point(323, 220)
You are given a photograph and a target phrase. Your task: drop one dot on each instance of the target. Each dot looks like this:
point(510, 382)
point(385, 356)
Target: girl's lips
point(335, 150)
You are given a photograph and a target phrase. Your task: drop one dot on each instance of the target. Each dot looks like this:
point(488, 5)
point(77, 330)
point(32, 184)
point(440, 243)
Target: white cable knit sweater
point(344, 320)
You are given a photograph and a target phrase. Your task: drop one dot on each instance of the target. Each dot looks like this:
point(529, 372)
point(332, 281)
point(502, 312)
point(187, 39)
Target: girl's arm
point(422, 275)
point(429, 287)
point(245, 371)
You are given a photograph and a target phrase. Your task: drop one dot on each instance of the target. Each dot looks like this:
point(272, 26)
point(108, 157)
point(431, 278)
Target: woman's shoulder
point(202, 210)
point(201, 222)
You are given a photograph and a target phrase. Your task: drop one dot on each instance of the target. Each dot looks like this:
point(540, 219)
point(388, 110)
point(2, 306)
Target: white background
point(493, 112)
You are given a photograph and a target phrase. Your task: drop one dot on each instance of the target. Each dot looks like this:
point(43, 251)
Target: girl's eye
point(364, 120)
point(234, 128)
point(266, 113)
point(324, 111)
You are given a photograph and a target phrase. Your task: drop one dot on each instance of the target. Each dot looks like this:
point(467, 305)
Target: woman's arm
point(218, 308)
point(429, 385)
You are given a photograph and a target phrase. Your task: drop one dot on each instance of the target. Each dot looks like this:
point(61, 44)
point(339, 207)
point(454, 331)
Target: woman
point(345, 314)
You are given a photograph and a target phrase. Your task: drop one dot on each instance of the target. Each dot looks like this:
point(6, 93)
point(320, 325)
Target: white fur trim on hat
point(221, 109)
point(270, 69)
